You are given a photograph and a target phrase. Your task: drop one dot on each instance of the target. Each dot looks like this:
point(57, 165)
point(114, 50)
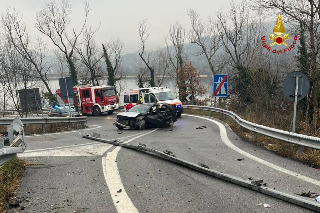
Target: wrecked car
point(144, 116)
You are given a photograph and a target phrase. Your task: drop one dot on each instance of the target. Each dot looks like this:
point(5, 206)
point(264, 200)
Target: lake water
point(123, 85)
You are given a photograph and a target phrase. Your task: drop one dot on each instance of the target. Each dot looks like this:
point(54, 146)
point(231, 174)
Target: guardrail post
point(42, 128)
point(210, 113)
point(300, 150)
point(1, 142)
point(67, 126)
point(255, 135)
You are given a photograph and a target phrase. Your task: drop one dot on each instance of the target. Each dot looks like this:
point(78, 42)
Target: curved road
point(72, 174)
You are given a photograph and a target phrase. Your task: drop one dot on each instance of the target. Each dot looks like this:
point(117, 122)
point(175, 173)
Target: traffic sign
point(295, 87)
point(289, 86)
point(66, 87)
point(220, 85)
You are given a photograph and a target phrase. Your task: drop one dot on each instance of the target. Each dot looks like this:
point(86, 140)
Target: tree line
point(230, 42)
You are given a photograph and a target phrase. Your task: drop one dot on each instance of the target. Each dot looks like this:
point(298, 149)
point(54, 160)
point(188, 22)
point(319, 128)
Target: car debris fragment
point(203, 165)
point(168, 152)
point(257, 182)
point(201, 127)
point(142, 145)
point(309, 194)
point(240, 159)
point(318, 198)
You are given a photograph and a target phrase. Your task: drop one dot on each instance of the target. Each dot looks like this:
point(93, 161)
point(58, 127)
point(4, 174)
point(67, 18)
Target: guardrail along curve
point(294, 138)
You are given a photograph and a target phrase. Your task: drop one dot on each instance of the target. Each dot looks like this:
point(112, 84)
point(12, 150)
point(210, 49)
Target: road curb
point(223, 176)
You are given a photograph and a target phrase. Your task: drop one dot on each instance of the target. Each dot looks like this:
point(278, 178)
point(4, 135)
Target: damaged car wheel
point(142, 125)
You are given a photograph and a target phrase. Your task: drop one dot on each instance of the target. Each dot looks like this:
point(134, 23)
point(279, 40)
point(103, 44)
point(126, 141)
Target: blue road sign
point(220, 85)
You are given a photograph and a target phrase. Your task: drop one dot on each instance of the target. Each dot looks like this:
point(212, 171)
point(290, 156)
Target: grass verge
point(10, 175)
point(282, 148)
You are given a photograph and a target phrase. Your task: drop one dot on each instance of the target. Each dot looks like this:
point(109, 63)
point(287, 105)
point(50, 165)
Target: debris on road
point(95, 135)
point(257, 182)
point(168, 152)
point(264, 205)
point(119, 132)
point(119, 191)
point(201, 127)
point(203, 165)
point(309, 194)
point(142, 145)
point(240, 159)
point(318, 198)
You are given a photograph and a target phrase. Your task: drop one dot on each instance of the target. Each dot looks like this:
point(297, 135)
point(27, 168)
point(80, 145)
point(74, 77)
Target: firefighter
point(141, 101)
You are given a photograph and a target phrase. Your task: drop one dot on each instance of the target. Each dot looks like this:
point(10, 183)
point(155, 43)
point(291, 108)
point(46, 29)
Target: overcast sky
point(120, 18)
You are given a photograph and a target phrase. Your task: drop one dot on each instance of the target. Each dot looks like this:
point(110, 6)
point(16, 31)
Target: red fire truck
point(92, 99)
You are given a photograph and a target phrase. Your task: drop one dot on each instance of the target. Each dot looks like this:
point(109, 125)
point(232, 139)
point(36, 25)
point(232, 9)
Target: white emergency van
point(154, 94)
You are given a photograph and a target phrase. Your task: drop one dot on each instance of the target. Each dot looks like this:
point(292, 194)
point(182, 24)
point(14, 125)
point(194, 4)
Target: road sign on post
point(66, 89)
point(220, 86)
point(295, 87)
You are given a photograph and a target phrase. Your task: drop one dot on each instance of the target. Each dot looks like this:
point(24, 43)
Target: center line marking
point(121, 200)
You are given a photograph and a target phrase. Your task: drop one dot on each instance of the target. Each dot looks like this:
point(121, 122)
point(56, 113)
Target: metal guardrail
point(45, 120)
point(7, 153)
point(294, 138)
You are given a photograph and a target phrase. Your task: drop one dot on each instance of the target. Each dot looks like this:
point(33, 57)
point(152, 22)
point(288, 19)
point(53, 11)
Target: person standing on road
point(141, 101)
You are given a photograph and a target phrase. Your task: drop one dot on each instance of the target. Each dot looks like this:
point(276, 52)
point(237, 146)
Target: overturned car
point(144, 116)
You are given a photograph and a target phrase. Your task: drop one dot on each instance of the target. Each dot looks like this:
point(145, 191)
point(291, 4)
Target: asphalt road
point(72, 174)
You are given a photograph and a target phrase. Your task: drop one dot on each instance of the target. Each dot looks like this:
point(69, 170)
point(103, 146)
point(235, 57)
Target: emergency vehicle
point(92, 99)
point(154, 94)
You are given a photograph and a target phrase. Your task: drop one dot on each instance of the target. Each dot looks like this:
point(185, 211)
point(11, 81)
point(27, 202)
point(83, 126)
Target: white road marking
point(225, 139)
point(121, 200)
point(58, 133)
point(76, 145)
point(85, 150)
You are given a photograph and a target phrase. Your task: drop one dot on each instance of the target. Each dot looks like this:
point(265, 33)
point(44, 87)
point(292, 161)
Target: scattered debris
point(309, 194)
point(95, 135)
point(203, 165)
point(168, 152)
point(250, 178)
point(264, 205)
point(119, 191)
point(240, 159)
point(257, 182)
point(201, 127)
point(92, 160)
point(119, 132)
point(318, 198)
point(142, 145)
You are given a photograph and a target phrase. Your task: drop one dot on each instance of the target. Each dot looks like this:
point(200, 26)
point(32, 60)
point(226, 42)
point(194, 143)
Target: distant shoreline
point(128, 76)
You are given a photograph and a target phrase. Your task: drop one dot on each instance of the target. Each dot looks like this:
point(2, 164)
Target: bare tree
point(53, 21)
point(112, 53)
point(238, 36)
point(15, 72)
point(177, 36)
point(16, 32)
point(207, 37)
point(89, 54)
point(143, 33)
point(307, 15)
point(160, 62)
